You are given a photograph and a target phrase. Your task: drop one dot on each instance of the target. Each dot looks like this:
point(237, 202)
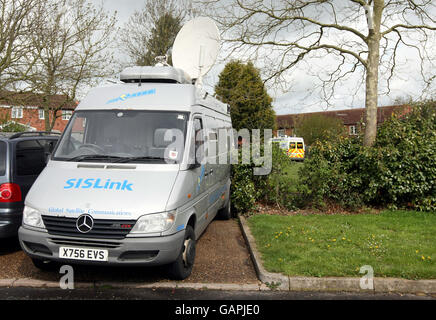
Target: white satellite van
point(134, 179)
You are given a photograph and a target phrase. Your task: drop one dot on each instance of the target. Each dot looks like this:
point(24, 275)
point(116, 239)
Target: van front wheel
point(182, 267)
point(44, 265)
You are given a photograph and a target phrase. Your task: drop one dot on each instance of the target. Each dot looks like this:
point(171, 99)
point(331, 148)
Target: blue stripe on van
point(214, 196)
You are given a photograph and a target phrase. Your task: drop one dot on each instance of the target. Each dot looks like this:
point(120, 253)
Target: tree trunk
point(371, 97)
point(371, 94)
point(47, 118)
point(53, 119)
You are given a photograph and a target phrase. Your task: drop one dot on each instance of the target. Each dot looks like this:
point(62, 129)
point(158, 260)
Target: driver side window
point(198, 143)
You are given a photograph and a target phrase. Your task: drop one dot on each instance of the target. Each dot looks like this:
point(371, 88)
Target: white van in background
point(293, 146)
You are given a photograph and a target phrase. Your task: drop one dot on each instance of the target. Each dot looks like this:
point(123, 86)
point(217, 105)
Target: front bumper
point(128, 251)
point(10, 221)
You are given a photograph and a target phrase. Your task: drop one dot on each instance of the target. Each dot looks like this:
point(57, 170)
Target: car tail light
point(10, 192)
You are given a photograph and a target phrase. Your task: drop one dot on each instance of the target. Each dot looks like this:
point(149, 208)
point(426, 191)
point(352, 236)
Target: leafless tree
point(15, 25)
point(137, 34)
point(69, 41)
point(362, 35)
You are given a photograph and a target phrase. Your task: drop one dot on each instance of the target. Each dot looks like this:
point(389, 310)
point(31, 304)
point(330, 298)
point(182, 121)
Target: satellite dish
point(196, 47)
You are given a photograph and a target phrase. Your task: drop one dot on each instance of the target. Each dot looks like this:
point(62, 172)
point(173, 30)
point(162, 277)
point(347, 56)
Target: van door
point(198, 174)
point(213, 169)
point(212, 151)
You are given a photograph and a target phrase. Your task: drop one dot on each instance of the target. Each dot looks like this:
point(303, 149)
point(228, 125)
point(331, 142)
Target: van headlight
point(155, 222)
point(32, 217)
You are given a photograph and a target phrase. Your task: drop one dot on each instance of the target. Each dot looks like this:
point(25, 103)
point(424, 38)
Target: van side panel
point(219, 173)
point(206, 189)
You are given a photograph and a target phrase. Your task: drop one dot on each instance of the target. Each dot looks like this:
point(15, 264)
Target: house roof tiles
point(348, 116)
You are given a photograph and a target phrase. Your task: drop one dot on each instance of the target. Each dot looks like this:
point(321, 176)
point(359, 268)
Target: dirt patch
point(331, 209)
point(222, 257)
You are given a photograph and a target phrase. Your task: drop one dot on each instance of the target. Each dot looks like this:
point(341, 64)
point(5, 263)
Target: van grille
point(103, 228)
point(85, 243)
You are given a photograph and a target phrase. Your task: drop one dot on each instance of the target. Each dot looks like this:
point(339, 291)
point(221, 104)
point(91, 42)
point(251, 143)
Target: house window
point(17, 113)
point(281, 132)
point(66, 114)
point(41, 114)
point(352, 130)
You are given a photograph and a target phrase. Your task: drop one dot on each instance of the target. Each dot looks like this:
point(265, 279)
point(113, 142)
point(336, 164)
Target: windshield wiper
point(128, 159)
point(93, 157)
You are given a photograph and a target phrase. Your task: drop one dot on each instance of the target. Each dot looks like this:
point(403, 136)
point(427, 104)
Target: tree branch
point(405, 26)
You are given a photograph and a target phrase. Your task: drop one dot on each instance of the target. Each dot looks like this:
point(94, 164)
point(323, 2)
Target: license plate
point(83, 254)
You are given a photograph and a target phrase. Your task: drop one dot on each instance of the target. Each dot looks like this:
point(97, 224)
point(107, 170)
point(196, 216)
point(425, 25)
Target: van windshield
point(124, 136)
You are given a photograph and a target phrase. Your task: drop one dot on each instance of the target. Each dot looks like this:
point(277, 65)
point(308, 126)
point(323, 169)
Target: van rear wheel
point(226, 212)
point(182, 267)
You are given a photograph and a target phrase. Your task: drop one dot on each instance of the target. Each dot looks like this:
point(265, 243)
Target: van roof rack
point(34, 133)
point(160, 74)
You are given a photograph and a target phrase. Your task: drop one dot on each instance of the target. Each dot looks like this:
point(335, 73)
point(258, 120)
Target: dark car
point(22, 158)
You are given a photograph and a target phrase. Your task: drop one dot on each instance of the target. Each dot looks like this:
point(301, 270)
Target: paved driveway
point(222, 257)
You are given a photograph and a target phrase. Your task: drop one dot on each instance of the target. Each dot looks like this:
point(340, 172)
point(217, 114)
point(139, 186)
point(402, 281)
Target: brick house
point(351, 118)
point(25, 109)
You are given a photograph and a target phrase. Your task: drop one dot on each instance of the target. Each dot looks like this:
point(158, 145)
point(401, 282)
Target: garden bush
point(408, 148)
point(13, 127)
point(276, 188)
point(399, 171)
point(243, 190)
point(6, 125)
point(280, 186)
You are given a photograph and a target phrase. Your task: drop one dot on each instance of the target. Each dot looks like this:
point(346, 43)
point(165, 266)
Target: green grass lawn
point(395, 243)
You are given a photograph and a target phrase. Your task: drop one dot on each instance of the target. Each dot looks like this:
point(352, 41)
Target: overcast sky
point(300, 97)
point(124, 8)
